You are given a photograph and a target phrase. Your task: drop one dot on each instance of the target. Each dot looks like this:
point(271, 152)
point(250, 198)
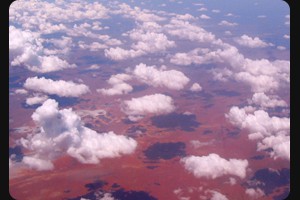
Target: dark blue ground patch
point(176, 120)
point(165, 150)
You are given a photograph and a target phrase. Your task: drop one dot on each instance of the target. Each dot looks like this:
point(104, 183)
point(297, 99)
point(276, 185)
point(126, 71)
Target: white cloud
point(37, 99)
point(60, 87)
point(62, 132)
point(226, 23)
point(286, 36)
point(138, 14)
point(202, 9)
point(213, 166)
point(185, 17)
point(272, 132)
point(49, 64)
point(281, 48)
point(254, 193)
point(145, 42)
point(196, 87)
point(118, 85)
point(94, 46)
point(204, 16)
point(172, 79)
point(250, 42)
point(215, 11)
point(156, 104)
point(25, 48)
point(280, 145)
point(121, 54)
point(185, 30)
point(217, 195)
point(265, 101)
point(21, 91)
point(261, 16)
point(37, 164)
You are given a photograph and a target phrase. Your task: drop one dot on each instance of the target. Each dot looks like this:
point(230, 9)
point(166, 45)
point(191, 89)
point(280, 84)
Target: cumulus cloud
point(62, 132)
point(156, 104)
point(226, 23)
point(138, 14)
point(144, 42)
point(214, 166)
point(272, 132)
point(250, 42)
point(254, 193)
point(119, 86)
point(204, 16)
point(264, 101)
point(217, 195)
point(185, 30)
point(37, 99)
point(150, 75)
point(286, 36)
point(60, 87)
point(21, 91)
point(196, 87)
point(25, 48)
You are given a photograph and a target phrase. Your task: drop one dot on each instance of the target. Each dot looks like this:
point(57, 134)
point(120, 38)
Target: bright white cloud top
point(171, 79)
point(156, 104)
point(62, 132)
point(214, 166)
point(272, 132)
point(250, 42)
point(60, 87)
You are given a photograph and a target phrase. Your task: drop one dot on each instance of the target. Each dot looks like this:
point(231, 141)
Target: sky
point(150, 63)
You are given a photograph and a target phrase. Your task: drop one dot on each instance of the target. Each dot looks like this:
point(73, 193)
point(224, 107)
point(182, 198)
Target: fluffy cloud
point(145, 42)
point(204, 16)
point(185, 30)
point(217, 195)
point(118, 85)
point(254, 193)
point(156, 104)
point(21, 91)
point(25, 48)
point(226, 23)
point(250, 42)
point(213, 166)
point(38, 164)
point(264, 101)
point(150, 75)
point(62, 132)
point(138, 14)
point(272, 132)
point(196, 87)
point(60, 87)
point(37, 99)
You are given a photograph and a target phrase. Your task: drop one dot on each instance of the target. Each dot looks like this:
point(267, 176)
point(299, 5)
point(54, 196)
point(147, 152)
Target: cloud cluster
point(272, 132)
point(250, 42)
point(25, 48)
point(261, 75)
point(144, 42)
point(152, 76)
point(156, 104)
point(171, 79)
point(60, 87)
point(62, 132)
point(185, 30)
point(264, 101)
point(214, 166)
